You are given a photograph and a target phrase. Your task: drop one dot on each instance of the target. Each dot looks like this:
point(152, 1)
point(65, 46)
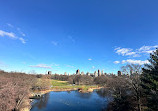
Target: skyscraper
point(77, 71)
point(88, 74)
point(102, 72)
point(119, 73)
point(95, 74)
point(82, 73)
point(49, 72)
point(99, 73)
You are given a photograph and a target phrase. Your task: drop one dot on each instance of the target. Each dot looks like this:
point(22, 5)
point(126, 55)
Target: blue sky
point(65, 35)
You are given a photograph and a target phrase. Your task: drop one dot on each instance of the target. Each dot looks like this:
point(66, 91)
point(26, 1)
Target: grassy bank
point(65, 85)
point(59, 83)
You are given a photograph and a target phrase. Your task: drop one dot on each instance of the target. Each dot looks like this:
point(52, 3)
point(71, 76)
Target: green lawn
point(65, 85)
point(59, 83)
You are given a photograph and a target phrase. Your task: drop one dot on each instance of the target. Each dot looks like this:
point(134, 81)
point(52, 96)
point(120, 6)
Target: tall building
point(65, 73)
point(88, 74)
point(82, 73)
point(99, 73)
point(49, 72)
point(131, 72)
point(95, 74)
point(102, 72)
point(77, 71)
point(119, 73)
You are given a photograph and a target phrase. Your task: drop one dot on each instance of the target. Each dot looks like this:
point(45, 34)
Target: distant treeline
point(78, 79)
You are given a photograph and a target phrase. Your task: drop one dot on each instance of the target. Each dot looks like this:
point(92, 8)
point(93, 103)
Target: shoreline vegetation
point(64, 86)
point(59, 86)
point(79, 89)
point(86, 89)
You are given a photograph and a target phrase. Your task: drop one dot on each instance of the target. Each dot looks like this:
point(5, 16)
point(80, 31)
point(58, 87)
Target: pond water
point(71, 101)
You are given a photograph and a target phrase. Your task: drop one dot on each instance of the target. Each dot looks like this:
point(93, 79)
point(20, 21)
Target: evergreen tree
point(150, 82)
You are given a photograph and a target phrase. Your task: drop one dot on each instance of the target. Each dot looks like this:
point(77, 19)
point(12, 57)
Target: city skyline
point(62, 36)
point(95, 73)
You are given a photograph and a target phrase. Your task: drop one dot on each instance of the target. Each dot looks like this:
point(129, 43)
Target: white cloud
point(23, 34)
point(8, 34)
point(131, 61)
point(11, 35)
point(93, 67)
point(10, 25)
point(122, 51)
point(126, 52)
point(41, 66)
point(54, 70)
point(19, 30)
point(116, 62)
point(56, 64)
point(137, 52)
point(3, 65)
point(70, 66)
point(22, 40)
point(54, 43)
point(72, 39)
point(130, 53)
point(89, 59)
point(147, 49)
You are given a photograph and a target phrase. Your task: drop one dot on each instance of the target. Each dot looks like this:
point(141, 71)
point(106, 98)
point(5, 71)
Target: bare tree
point(134, 72)
point(131, 69)
point(101, 80)
point(14, 90)
point(120, 89)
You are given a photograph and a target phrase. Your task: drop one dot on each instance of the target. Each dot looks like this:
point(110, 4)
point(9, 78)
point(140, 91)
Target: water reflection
point(68, 91)
point(103, 93)
point(71, 101)
point(42, 102)
point(83, 95)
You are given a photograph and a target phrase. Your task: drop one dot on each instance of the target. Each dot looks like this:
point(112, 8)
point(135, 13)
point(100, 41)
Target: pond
point(71, 101)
